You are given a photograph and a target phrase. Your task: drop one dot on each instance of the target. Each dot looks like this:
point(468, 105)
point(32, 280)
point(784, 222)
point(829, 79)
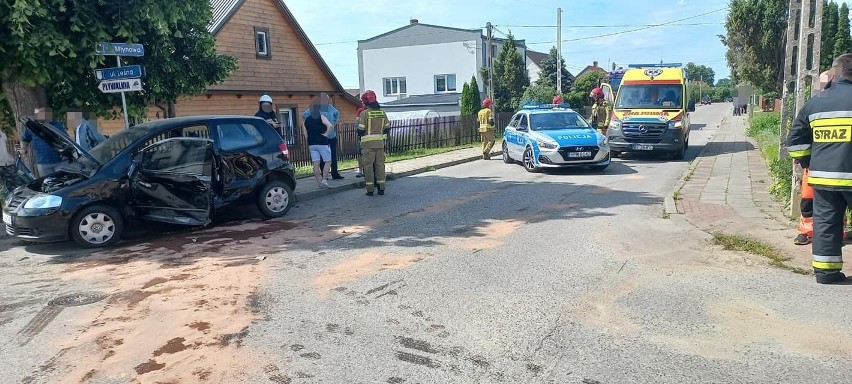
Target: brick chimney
point(413, 21)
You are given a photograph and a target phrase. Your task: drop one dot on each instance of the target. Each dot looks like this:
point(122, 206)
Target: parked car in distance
point(179, 170)
point(706, 100)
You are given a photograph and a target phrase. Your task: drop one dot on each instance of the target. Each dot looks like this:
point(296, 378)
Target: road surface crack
point(548, 335)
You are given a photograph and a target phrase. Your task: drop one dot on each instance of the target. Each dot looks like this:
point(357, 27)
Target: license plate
point(579, 154)
point(7, 218)
point(640, 147)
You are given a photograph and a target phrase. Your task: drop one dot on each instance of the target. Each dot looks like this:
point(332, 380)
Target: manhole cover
point(77, 299)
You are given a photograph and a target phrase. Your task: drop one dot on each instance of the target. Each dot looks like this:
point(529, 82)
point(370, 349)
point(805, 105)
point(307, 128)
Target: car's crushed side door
point(171, 181)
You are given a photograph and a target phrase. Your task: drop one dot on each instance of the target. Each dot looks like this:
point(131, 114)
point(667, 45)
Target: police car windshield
point(552, 121)
point(650, 96)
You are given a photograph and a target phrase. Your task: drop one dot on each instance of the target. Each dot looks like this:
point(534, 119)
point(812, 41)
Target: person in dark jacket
point(821, 140)
point(317, 128)
point(266, 111)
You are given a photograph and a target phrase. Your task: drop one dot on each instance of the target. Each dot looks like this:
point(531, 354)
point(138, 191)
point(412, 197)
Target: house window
point(289, 129)
point(445, 83)
point(261, 42)
point(395, 86)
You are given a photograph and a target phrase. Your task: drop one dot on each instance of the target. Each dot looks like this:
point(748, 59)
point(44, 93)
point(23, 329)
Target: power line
point(611, 26)
point(632, 30)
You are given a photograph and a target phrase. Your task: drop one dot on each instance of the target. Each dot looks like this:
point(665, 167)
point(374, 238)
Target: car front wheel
point(529, 165)
point(97, 226)
point(274, 199)
point(506, 158)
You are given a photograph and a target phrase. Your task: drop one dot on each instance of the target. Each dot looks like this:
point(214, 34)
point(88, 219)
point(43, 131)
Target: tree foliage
point(547, 75)
point(539, 93)
point(696, 72)
point(470, 100)
point(842, 41)
point(583, 85)
point(48, 48)
point(510, 77)
point(756, 31)
point(829, 33)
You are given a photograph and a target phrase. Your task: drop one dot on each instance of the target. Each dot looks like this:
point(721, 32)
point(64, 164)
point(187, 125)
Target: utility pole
point(490, 63)
point(559, 51)
point(802, 26)
point(699, 87)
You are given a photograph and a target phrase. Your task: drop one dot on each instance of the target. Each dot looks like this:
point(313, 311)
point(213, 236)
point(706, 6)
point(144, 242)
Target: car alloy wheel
point(506, 158)
point(529, 165)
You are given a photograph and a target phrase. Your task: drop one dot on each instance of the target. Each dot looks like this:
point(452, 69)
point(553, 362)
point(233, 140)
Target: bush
point(765, 128)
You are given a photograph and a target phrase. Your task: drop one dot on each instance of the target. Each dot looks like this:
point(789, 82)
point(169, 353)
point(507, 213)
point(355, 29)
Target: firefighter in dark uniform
point(374, 124)
point(821, 140)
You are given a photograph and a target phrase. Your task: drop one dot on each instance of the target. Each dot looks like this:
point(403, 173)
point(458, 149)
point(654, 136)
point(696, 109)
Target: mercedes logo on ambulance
point(653, 72)
point(643, 129)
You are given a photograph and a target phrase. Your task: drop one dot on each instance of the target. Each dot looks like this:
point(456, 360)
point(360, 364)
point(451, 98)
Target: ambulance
point(650, 111)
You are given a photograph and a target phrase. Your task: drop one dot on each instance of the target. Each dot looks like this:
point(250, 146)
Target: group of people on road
point(821, 142)
point(321, 137)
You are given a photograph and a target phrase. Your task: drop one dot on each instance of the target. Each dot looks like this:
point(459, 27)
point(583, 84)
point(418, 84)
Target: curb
point(669, 203)
point(310, 195)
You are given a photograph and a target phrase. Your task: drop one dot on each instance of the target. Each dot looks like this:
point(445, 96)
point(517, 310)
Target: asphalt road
point(477, 273)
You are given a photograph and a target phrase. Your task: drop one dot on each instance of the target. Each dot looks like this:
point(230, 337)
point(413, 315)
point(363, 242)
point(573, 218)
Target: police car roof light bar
point(662, 65)
point(530, 106)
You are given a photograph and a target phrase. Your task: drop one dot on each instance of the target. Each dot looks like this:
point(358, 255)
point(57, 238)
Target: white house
point(422, 59)
point(534, 60)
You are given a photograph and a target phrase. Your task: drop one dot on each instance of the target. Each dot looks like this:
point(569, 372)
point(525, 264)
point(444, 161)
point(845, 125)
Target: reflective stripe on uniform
point(830, 175)
point(829, 115)
point(829, 182)
point(798, 148)
point(828, 259)
point(798, 154)
point(827, 266)
point(373, 138)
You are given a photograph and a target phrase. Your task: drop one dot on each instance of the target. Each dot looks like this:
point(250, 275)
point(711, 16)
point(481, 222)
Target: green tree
point(842, 41)
point(470, 102)
point(583, 85)
point(696, 72)
point(547, 76)
point(538, 93)
point(510, 77)
point(755, 35)
point(726, 82)
point(829, 33)
point(47, 52)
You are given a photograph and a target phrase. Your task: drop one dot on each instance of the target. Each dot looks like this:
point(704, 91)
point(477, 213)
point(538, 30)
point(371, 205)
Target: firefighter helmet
point(487, 103)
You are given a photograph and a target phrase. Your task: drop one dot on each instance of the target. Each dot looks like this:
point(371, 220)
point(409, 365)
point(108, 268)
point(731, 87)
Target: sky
point(335, 26)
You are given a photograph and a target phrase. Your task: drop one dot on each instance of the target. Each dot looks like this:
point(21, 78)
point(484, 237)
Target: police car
point(553, 136)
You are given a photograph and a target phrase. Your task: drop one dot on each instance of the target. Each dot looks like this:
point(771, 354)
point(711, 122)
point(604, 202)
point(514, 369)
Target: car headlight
point(615, 125)
point(604, 141)
point(43, 202)
point(675, 124)
point(548, 144)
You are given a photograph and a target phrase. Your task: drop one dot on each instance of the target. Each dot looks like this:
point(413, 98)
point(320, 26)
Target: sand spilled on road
point(176, 325)
point(491, 235)
point(746, 325)
point(365, 264)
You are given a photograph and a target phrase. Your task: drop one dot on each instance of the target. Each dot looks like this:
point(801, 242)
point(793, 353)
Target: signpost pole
point(123, 100)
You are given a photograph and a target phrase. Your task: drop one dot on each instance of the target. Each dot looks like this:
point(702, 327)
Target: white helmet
point(265, 99)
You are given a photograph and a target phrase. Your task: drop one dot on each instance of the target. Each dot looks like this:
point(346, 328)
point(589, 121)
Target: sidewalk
point(307, 188)
point(726, 191)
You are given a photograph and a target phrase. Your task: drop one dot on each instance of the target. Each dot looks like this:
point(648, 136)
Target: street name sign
point(118, 73)
point(120, 49)
point(115, 86)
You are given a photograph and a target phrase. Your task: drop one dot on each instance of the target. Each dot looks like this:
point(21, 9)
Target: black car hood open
point(60, 142)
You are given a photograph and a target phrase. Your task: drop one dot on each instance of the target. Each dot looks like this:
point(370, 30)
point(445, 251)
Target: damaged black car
point(179, 171)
